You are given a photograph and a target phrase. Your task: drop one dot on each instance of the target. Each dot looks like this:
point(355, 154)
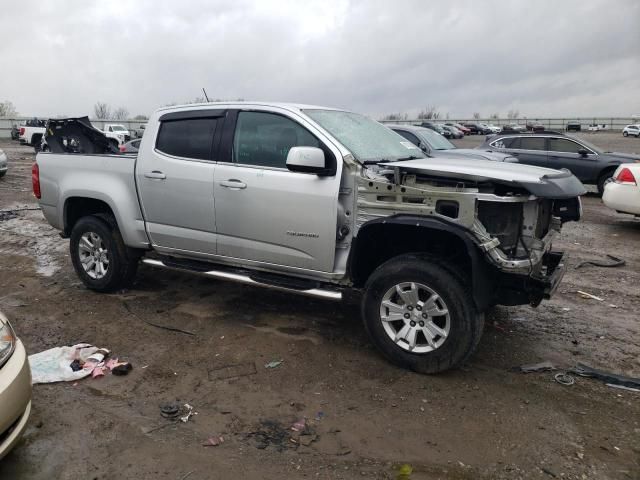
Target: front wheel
point(625, 134)
point(99, 255)
point(420, 315)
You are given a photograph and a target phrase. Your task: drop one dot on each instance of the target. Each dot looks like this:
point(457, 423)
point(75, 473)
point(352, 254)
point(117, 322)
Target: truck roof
point(295, 107)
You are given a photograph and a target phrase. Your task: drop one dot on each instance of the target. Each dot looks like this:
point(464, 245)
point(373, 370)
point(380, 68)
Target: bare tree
point(141, 117)
point(102, 111)
point(494, 116)
point(120, 113)
point(476, 115)
point(7, 109)
point(395, 116)
point(513, 114)
point(429, 113)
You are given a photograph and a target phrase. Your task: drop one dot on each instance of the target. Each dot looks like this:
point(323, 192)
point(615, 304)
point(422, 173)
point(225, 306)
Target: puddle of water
point(27, 235)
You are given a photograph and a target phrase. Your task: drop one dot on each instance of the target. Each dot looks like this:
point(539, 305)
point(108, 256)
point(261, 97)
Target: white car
point(622, 193)
point(631, 130)
point(491, 127)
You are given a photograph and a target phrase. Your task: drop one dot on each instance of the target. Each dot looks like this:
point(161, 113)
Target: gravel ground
point(365, 417)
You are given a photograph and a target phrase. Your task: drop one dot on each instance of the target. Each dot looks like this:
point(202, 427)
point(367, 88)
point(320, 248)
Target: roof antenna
point(205, 94)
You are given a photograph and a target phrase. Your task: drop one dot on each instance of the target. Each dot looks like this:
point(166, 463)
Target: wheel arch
point(383, 239)
point(76, 207)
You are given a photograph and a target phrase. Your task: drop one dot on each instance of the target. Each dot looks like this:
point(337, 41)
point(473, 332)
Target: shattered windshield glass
point(368, 140)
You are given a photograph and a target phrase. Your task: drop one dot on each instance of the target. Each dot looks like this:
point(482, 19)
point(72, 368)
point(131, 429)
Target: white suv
point(631, 130)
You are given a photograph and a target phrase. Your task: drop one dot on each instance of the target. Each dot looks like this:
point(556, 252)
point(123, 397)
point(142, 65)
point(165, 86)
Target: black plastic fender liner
point(87, 139)
point(483, 274)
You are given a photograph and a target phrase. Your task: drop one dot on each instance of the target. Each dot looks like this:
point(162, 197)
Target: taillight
point(35, 180)
point(21, 130)
point(625, 176)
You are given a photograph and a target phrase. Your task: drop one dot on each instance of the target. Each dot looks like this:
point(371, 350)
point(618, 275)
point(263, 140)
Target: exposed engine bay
point(512, 224)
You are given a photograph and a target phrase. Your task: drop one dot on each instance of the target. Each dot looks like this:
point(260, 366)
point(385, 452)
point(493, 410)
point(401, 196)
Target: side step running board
point(237, 277)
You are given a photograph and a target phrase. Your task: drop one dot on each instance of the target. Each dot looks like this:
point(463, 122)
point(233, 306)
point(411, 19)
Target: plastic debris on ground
point(564, 379)
point(587, 296)
point(404, 472)
point(273, 364)
point(67, 364)
point(537, 367)
point(607, 377)
point(213, 441)
point(189, 413)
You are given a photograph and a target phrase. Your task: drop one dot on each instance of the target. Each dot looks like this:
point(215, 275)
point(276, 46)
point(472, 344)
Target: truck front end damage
point(511, 214)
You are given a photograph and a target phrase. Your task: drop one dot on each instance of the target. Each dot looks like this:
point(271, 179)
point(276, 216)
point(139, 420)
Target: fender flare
point(483, 274)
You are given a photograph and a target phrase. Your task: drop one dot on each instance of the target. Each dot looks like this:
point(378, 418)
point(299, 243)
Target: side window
point(409, 136)
point(188, 138)
point(507, 142)
point(264, 139)
point(564, 145)
point(531, 143)
point(136, 144)
point(110, 129)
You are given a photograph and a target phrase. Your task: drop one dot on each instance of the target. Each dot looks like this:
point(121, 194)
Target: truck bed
point(105, 178)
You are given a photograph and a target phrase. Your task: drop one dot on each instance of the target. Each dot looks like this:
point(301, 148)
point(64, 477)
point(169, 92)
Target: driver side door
point(266, 213)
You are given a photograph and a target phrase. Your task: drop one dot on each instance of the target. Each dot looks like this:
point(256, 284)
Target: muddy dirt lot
point(365, 417)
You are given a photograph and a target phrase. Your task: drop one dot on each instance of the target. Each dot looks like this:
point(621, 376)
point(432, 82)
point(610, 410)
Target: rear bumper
point(622, 198)
point(517, 289)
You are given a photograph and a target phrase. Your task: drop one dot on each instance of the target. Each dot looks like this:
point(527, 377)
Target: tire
point(462, 324)
point(2, 174)
point(602, 180)
point(121, 262)
point(625, 134)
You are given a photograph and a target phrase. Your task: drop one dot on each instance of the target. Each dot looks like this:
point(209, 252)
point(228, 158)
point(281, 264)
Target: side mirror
point(307, 160)
point(583, 152)
point(423, 147)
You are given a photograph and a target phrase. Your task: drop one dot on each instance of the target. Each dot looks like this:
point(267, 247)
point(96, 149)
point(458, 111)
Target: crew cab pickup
point(118, 132)
point(314, 201)
point(31, 133)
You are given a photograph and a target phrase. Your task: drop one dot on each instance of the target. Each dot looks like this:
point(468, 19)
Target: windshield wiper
point(410, 157)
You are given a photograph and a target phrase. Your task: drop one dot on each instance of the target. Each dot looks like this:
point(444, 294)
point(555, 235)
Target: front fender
point(482, 276)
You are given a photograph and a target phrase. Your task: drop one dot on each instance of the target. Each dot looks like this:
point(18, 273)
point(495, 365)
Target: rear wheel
point(100, 258)
point(420, 315)
point(603, 179)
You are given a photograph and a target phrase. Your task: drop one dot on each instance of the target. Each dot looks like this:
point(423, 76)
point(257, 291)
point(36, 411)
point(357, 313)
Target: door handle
point(233, 184)
point(155, 175)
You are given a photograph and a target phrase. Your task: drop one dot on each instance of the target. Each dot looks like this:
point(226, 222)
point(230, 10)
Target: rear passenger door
point(528, 150)
point(563, 153)
point(264, 212)
point(175, 182)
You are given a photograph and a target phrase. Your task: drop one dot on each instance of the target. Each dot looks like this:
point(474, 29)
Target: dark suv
point(556, 150)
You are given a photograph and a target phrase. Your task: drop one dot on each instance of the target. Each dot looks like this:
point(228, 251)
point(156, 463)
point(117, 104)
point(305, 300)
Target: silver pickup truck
point(313, 201)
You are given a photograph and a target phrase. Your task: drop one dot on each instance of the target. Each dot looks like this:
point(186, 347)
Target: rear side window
point(264, 139)
point(507, 142)
point(188, 138)
point(409, 136)
point(136, 143)
point(531, 143)
point(564, 145)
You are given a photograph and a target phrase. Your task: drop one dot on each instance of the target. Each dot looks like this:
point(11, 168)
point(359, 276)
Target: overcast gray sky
point(542, 57)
